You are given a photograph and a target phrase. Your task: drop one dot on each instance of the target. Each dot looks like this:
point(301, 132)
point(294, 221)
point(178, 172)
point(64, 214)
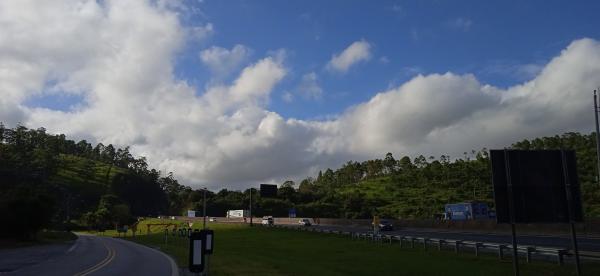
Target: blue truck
point(467, 211)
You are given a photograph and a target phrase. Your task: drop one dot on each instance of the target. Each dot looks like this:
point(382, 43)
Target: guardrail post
point(457, 246)
point(477, 245)
point(561, 259)
point(390, 239)
point(425, 243)
point(440, 244)
point(529, 250)
point(412, 242)
point(501, 251)
point(401, 238)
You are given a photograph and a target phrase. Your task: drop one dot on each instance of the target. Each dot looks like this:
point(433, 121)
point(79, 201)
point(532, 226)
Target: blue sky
point(279, 90)
point(492, 39)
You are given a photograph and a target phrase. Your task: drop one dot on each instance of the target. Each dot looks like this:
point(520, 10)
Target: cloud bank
point(118, 56)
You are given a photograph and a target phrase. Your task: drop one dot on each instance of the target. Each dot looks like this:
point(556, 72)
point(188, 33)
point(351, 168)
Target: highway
point(584, 243)
point(89, 255)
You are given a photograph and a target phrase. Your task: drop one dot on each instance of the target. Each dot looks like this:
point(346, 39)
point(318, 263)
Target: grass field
point(242, 250)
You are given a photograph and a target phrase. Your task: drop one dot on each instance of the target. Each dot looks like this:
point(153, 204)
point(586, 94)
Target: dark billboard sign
point(541, 186)
point(268, 190)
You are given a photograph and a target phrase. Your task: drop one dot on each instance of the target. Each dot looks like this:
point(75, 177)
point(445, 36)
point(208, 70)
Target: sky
point(231, 94)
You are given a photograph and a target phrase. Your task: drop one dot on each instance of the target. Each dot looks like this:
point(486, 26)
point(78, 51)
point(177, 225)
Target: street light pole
point(250, 211)
point(597, 134)
point(204, 210)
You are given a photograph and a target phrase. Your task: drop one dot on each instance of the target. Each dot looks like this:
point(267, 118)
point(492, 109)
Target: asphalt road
point(584, 243)
point(89, 255)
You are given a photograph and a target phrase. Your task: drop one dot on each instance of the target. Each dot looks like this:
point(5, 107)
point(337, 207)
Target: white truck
point(238, 213)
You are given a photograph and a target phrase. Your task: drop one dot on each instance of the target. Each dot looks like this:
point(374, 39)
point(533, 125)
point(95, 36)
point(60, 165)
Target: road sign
point(292, 213)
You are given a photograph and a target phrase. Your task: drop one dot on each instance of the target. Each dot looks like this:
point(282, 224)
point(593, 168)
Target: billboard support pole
point(574, 238)
point(597, 134)
point(511, 211)
point(570, 207)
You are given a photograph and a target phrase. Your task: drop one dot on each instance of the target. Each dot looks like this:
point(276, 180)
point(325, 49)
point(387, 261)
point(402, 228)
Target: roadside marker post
point(201, 247)
point(166, 235)
point(196, 254)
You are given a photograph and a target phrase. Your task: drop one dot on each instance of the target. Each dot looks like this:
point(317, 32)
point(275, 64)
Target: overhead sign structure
point(542, 185)
point(268, 190)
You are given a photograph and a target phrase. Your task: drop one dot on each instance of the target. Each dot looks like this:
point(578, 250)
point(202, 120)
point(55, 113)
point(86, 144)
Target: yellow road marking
point(109, 257)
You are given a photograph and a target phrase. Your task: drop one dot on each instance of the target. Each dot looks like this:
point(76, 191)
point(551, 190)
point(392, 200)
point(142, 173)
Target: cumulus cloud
point(118, 57)
point(358, 51)
point(223, 61)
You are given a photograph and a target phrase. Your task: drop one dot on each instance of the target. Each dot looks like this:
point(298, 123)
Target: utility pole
point(204, 210)
point(250, 211)
point(597, 134)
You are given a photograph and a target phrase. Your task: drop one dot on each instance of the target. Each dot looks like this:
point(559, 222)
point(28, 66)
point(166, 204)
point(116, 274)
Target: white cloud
point(357, 52)
point(223, 61)
point(118, 56)
point(460, 24)
point(202, 32)
point(309, 87)
point(287, 97)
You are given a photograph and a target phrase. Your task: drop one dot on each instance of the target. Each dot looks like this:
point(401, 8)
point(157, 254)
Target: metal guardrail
point(457, 245)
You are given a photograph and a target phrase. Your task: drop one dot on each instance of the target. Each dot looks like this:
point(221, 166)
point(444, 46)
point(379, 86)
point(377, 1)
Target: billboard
point(541, 186)
point(191, 214)
point(268, 190)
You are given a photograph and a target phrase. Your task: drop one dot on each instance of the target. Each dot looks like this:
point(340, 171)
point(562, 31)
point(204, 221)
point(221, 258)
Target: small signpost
point(201, 247)
point(536, 186)
point(196, 256)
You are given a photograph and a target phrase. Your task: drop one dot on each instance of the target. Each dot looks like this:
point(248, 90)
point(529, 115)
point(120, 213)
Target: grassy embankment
point(242, 250)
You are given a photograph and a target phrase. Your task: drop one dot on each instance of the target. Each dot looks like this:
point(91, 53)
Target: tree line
point(49, 181)
point(404, 188)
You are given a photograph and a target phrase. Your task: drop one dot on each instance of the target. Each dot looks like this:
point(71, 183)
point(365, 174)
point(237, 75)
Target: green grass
point(242, 250)
point(82, 172)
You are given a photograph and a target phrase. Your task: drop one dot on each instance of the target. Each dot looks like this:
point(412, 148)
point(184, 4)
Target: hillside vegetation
point(408, 187)
point(48, 181)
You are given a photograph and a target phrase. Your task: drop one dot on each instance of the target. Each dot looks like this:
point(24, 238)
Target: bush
point(26, 212)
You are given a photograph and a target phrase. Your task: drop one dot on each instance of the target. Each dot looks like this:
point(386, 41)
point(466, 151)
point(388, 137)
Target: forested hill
point(50, 181)
point(419, 187)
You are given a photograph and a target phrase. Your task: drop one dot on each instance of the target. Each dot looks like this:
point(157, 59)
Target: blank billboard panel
point(538, 185)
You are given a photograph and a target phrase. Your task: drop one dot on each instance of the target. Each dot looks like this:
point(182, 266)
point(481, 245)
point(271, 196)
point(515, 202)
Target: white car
point(305, 222)
point(267, 221)
point(213, 219)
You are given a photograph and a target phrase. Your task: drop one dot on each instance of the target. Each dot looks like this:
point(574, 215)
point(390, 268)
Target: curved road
point(93, 255)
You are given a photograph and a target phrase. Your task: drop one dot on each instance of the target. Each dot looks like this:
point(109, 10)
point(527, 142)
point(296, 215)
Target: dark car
point(386, 225)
